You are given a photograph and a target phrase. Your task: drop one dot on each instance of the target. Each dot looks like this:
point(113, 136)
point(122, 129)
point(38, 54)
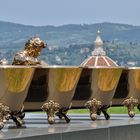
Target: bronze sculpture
point(29, 55)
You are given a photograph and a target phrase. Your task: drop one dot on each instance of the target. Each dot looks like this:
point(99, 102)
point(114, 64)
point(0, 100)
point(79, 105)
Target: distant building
point(132, 63)
point(52, 47)
point(84, 50)
point(58, 59)
point(98, 57)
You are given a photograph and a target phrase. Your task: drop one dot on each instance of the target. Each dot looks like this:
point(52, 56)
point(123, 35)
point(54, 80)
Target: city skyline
point(52, 12)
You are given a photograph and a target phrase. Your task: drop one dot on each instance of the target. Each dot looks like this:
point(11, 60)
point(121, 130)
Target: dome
point(99, 61)
point(98, 56)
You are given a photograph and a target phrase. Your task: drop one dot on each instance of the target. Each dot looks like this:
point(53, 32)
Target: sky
point(60, 12)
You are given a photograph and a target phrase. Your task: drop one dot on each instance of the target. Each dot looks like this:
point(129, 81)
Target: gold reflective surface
point(136, 75)
point(17, 79)
point(108, 78)
point(65, 79)
point(134, 83)
point(59, 84)
point(62, 81)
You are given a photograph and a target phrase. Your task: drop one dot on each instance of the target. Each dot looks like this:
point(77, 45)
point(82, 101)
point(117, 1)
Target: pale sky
point(59, 12)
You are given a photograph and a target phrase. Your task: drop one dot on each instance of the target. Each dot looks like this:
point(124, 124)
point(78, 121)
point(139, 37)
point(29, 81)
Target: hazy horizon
point(62, 12)
point(68, 23)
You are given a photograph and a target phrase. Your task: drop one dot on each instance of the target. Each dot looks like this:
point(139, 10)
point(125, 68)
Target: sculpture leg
point(21, 113)
point(17, 117)
point(62, 113)
point(60, 116)
point(130, 104)
point(104, 110)
point(99, 112)
point(93, 106)
point(138, 107)
point(4, 114)
point(50, 108)
point(131, 111)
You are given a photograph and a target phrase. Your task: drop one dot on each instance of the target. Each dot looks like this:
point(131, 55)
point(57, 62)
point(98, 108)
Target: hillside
point(14, 35)
point(71, 38)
